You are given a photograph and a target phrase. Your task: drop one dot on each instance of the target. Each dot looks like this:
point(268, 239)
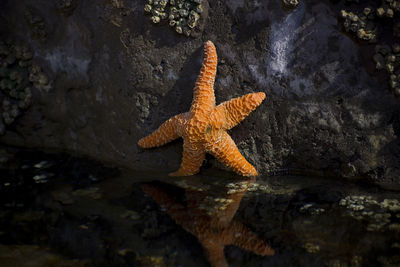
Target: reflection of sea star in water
point(214, 232)
point(204, 127)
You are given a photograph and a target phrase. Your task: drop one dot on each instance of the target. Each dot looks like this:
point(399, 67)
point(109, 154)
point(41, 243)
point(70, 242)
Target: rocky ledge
point(105, 76)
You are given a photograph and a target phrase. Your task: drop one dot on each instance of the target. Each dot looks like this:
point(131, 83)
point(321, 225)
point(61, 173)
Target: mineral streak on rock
point(182, 15)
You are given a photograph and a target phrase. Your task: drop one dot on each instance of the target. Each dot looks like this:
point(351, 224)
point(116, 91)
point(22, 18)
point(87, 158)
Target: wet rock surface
point(115, 77)
point(74, 219)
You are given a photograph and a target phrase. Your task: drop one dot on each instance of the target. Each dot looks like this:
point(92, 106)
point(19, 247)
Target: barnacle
point(364, 25)
point(66, 7)
point(378, 214)
point(360, 24)
point(37, 26)
point(182, 15)
point(17, 76)
point(388, 58)
point(290, 3)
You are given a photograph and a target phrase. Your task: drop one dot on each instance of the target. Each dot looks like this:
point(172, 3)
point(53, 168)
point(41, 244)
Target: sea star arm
point(225, 216)
point(215, 254)
point(224, 149)
point(176, 210)
point(203, 94)
point(230, 113)
point(167, 132)
point(244, 238)
point(192, 158)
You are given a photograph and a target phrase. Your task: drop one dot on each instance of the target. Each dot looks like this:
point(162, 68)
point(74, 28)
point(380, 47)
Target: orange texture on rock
point(204, 127)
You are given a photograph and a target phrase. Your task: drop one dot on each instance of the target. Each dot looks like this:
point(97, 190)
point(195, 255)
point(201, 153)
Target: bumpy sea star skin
point(203, 128)
point(215, 231)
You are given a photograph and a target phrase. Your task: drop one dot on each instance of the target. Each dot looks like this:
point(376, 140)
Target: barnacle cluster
point(146, 260)
point(66, 7)
point(238, 187)
point(311, 208)
point(15, 93)
point(40, 171)
point(193, 187)
point(143, 103)
point(17, 75)
point(311, 247)
point(380, 215)
point(388, 8)
point(361, 24)
point(37, 26)
point(388, 58)
point(290, 3)
point(39, 79)
point(213, 205)
point(365, 26)
point(182, 15)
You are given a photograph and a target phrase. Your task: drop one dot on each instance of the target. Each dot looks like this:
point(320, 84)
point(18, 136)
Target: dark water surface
point(60, 210)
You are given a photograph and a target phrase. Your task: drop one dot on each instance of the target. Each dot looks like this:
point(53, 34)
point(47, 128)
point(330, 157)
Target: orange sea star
point(204, 127)
point(216, 230)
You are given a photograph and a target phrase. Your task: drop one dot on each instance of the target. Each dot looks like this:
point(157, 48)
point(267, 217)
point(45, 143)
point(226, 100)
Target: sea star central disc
point(204, 127)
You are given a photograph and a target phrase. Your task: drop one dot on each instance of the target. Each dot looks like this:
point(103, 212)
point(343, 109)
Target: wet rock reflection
point(210, 218)
point(85, 213)
point(35, 256)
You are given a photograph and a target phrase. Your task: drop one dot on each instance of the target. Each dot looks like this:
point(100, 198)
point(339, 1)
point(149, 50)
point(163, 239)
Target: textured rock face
point(116, 77)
